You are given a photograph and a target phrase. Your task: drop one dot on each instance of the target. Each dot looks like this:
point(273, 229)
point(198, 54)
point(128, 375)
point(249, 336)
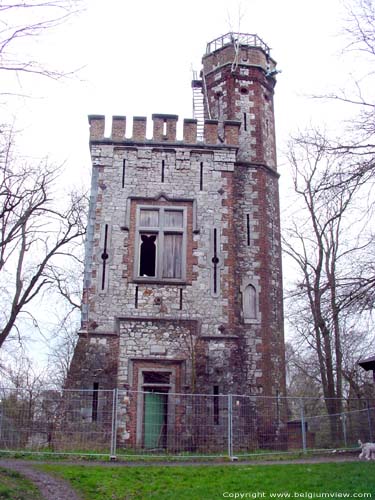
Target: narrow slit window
point(215, 260)
point(245, 121)
point(165, 128)
point(95, 401)
point(201, 177)
point(180, 299)
point(248, 229)
point(136, 298)
point(216, 404)
point(162, 170)
point(123, 172)
point(104, 257)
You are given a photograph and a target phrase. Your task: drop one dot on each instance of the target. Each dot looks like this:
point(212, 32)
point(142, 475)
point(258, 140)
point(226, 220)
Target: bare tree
point(329, 235)
point(356, 147)
point(39, 233)
point(358, 341)
point(41, 229)
point(358, 143)
point(61, 352)
point(324, 236)
point(29, 403)
point(17, 372)
point(360, 26)
point(24, 23)
point(303, 380)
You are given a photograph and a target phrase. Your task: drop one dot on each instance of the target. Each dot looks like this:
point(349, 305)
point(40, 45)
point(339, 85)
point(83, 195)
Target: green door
point(155, 416)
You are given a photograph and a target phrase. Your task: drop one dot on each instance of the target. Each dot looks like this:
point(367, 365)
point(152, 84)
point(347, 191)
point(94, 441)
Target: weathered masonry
point(183, 284)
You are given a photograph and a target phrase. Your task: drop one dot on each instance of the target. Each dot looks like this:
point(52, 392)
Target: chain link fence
point(125, 423)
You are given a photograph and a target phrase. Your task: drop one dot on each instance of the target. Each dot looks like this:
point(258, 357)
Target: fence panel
point(259, 425)
point(76, 421)
point(342, 426)
point(154, 422)
point(158, 422)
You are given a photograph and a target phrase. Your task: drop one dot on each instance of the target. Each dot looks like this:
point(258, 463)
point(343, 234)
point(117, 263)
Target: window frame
point(247, 318)
point(160, 232)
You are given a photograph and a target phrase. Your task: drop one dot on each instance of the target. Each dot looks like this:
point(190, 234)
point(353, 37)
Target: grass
point(211, 482)
point(138, 456)
point(13, 486)
point(45, 455)
point(129, 454)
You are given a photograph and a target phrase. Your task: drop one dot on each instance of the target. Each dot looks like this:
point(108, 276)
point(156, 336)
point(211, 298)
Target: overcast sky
point(136, 58)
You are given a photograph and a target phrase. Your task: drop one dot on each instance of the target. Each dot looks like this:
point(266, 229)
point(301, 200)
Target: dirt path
point(49, 486)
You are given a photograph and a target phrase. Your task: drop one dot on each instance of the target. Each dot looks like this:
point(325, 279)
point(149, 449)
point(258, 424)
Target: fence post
point(343, 420)
point(230, 423)
point(303, 427)
point(114, 425)
point(369, 418)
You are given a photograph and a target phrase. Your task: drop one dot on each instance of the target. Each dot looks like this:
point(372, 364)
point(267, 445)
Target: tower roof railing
point(250, 40)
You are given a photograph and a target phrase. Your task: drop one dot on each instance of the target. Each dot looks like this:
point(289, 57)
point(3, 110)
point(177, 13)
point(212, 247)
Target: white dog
point(368, 450)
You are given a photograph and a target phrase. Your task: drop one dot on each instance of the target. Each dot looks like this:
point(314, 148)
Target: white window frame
point(159, 231)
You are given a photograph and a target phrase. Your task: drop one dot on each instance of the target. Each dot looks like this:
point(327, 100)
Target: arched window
point(250, 302)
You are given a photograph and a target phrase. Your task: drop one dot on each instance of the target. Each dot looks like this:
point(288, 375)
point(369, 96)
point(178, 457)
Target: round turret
point(238, 79)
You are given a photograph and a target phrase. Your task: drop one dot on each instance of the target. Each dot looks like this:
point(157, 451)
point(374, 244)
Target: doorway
point(156, 385)
point(155, 419)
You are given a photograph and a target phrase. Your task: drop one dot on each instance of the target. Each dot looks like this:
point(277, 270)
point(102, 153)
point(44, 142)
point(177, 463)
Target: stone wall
point(95, 360)
point(181, 186)
point(232, 202)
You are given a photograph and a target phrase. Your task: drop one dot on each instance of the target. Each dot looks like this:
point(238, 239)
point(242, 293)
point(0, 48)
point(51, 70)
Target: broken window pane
point(172, 256)
point(147, 260)
point(161, 242)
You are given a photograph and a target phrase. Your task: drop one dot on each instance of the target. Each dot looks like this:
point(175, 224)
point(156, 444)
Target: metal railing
point(125, 423)
point(247, 39)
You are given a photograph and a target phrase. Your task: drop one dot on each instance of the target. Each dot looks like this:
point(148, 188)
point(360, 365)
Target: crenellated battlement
point(164, 130)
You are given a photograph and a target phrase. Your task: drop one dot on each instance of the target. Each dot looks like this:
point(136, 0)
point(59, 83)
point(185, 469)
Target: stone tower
point(238, 80)
point(183, 285)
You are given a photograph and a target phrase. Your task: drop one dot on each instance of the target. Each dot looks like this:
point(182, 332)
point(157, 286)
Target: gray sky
point(136, 59)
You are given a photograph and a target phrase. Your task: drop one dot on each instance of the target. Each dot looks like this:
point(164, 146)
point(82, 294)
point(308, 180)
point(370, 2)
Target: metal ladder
point(198, 107)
